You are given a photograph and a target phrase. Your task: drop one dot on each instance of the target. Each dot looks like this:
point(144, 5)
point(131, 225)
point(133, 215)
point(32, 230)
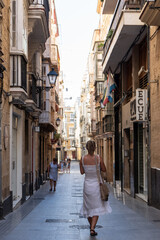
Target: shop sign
point(138, 106)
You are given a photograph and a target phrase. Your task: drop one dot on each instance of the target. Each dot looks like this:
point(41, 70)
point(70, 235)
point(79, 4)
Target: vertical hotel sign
point(138, 106)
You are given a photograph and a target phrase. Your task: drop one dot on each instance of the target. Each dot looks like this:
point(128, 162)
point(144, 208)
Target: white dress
point(53, 173)
point(92, 203)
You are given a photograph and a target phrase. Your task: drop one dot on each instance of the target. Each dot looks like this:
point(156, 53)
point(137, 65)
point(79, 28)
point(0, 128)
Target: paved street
point(48, 215)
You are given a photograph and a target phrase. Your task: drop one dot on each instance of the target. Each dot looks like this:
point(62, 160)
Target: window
point(24, 73)
point(15, 70)
point(71, 117)
point(71, 131)
point(18, 64)
point(72, 143)
point(44, 71)
point(99, 69)
point(99, 88)
point(14, 23)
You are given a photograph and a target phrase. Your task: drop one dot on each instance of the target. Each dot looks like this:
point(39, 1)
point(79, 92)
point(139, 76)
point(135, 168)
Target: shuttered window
point(14, 23)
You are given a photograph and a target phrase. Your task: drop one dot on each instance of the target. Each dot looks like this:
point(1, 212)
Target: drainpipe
point(149, 122)
point(0, 157)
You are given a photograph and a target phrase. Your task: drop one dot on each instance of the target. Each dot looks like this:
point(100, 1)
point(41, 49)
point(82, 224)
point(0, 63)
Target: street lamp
point(58, 120)
point(52, 76)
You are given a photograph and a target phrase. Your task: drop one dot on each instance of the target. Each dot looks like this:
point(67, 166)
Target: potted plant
point(100, 46)
point(109, 35)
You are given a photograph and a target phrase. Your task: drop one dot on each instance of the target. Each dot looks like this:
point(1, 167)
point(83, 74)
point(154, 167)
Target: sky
point(77, 20)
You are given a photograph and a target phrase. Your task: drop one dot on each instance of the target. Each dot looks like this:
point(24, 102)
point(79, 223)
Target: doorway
point(141, 161)
point(127, 159)
point(14, 157)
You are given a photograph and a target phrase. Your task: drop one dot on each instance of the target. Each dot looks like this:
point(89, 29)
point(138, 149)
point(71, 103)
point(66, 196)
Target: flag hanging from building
point(111, 82)
point(109, 87)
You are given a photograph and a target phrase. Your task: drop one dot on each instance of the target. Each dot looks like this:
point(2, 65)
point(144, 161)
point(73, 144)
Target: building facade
point(150, 16)
point(25, 138)
point(5, 193)
point(130, 54)
point(69, 143)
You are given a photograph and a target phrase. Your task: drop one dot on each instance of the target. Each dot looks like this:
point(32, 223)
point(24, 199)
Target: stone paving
point(55, 215)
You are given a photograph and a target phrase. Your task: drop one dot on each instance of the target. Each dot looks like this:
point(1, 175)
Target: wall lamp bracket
point(155, 81)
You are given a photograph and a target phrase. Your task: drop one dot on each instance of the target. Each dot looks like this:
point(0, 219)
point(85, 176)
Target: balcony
point(151, 13)
point(82, 119)
point(31, 104)
point(45, 121)
point(31, 107)
point(108, 6)
point(92, 129)
point(124, 28)
point(108, 124)
point(99, 89)
point(99, 129)
point(55, 58)
point(93, 126)
point(83, 140)
point(38, 17)
point(18, 80)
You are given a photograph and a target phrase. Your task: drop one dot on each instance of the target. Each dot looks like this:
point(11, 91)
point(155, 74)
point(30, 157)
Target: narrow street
point(48, 215)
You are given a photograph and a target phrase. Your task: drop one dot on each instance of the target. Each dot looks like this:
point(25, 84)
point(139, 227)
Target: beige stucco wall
point(126, 122)
point(155, 98)
point(5, 104)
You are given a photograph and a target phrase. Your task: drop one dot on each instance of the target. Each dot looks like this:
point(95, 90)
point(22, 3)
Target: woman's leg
point(94, 222)
point(54, 185)
point(51, 184)
point(90, 221)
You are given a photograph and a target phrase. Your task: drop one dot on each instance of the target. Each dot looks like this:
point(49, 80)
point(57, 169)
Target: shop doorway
point(141, 161)
point(127, 160)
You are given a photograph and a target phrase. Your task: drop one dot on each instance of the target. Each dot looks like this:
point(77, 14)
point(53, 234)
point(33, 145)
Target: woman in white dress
point(92, 206)
point(53, 173)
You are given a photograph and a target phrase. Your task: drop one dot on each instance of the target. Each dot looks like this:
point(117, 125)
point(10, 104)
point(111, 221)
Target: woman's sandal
point(93, 233)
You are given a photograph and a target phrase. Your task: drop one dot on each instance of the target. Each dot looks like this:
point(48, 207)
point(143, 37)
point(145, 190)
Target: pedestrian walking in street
point(64, 168)
point(92, 206)
point(68, 164)
point(53, 173)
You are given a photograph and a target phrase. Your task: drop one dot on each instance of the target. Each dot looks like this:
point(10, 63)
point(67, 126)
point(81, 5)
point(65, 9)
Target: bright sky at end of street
point(77, 21)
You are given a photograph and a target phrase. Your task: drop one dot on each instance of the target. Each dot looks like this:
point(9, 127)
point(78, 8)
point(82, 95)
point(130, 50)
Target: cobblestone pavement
point(55, 215)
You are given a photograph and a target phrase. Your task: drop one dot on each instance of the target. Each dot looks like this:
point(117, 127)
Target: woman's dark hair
point(55, 160)
point(91, 146)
